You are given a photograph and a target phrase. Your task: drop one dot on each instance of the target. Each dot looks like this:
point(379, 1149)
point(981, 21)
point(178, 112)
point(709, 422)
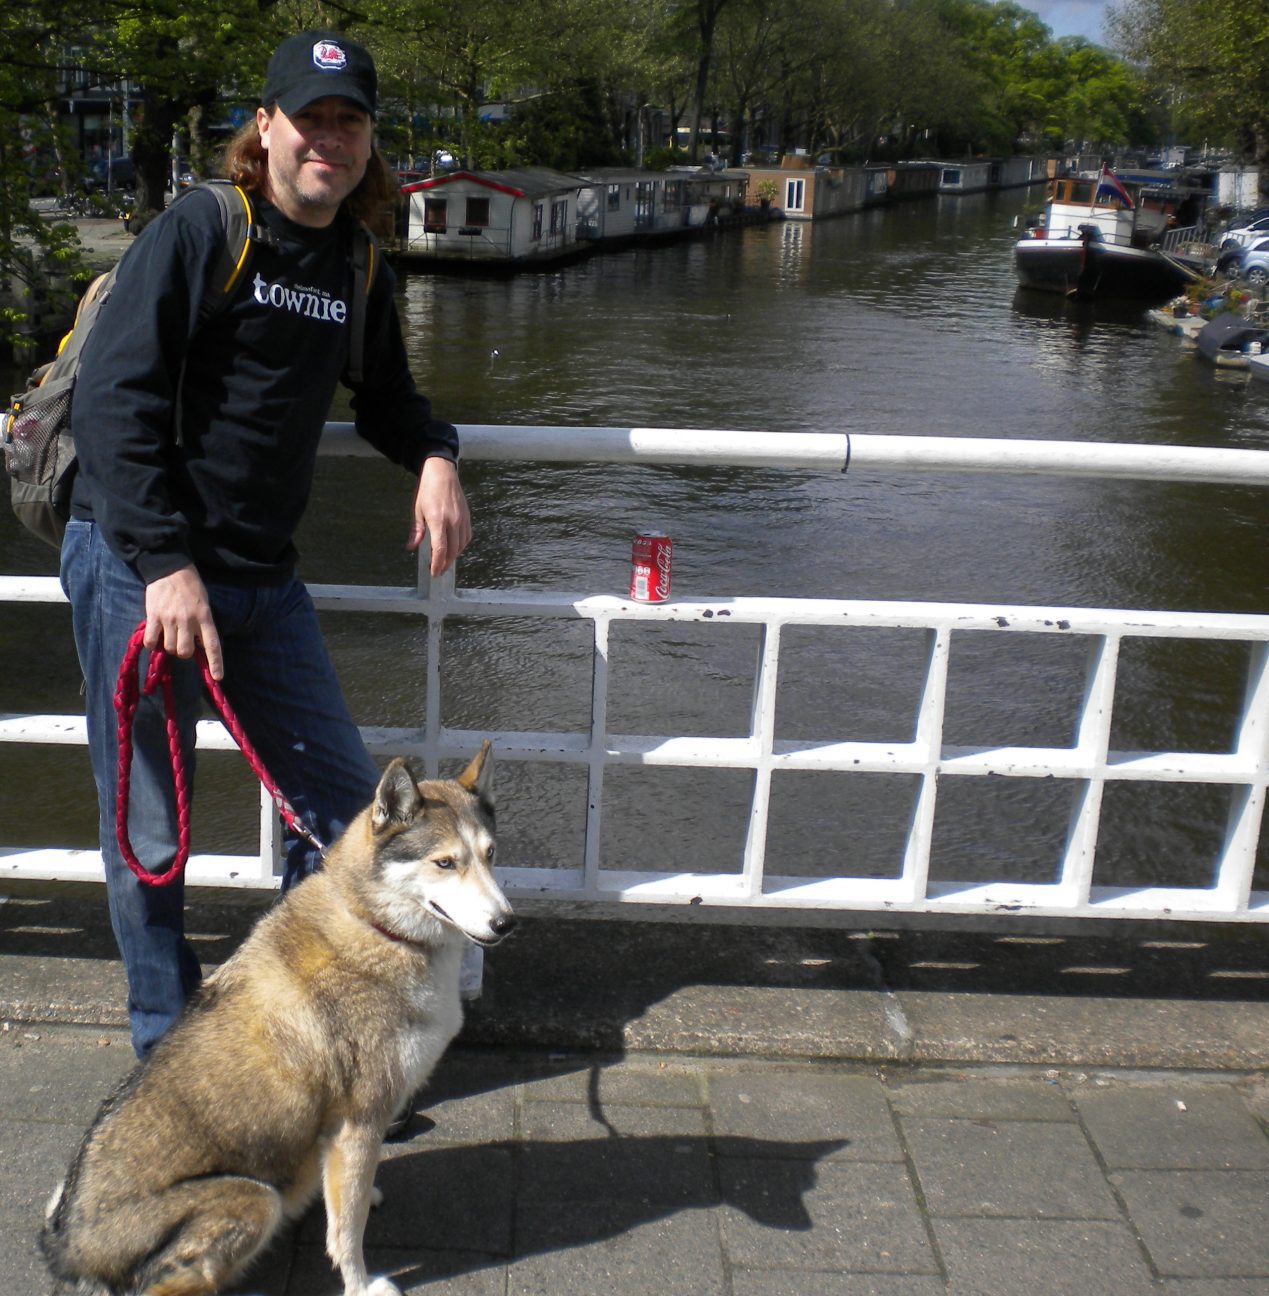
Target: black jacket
point(228, 493)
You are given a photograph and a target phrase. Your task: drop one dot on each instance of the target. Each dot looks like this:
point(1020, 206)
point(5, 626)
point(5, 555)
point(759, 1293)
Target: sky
point(1070, 17)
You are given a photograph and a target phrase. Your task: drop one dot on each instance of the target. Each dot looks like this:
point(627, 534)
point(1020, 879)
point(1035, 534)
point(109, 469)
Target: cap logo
point(329, 57)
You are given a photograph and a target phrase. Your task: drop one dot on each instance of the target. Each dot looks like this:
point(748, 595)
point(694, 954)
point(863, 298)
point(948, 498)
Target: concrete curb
point(1150, 999)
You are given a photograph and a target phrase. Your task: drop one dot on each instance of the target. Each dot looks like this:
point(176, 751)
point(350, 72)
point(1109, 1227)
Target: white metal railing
point(1088, 764)
point(1174, 240)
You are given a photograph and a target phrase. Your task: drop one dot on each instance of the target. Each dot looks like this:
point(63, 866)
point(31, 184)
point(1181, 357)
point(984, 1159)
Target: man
point(197, 446)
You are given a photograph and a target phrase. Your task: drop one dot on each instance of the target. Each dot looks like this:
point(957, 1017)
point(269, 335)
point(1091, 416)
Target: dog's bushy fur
point(290, 1061)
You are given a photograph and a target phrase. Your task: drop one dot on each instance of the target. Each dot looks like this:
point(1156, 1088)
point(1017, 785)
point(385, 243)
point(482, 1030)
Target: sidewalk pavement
point(649, 1110)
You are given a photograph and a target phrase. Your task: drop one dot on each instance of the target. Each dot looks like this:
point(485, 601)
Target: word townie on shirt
point(302, 301)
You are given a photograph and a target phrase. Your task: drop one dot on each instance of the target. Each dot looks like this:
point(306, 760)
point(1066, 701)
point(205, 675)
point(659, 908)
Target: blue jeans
point(282, 686)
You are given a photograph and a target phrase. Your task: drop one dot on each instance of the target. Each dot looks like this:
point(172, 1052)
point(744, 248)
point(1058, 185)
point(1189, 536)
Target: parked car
point(1245, 230)
point(115, 172)
point(1230, 262)
point(1255, 264)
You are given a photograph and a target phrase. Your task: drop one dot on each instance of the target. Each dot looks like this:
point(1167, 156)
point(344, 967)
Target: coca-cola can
point(650, 559)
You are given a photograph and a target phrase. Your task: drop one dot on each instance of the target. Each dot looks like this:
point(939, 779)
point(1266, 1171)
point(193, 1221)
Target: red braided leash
point(128, 694)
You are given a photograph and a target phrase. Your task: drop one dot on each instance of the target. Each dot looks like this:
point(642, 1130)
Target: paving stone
point(460, 1105)
point(1008, 1168)
point(752, 1282)
point(60, 1075)
point(601, 1248)
point(1000, 1257)
point(1201, 1223)
point(1173, 1127)
point(439, 1198)
point(644, 1154)
point(850, 1108)
point(1031, 1097)
point(838, 1215)
point(640, 1081)
point(34, 1159)
point(412, 1270)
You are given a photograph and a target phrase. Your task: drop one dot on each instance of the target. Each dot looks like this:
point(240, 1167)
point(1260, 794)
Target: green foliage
point(1208, 61)
point(661, 159)
point(565, 131)
point(39, 259)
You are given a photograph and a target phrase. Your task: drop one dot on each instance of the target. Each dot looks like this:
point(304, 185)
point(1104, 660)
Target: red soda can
point(650, 557)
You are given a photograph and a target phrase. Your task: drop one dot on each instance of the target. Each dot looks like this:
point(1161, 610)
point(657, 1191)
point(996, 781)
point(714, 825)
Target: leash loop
point(128, 694)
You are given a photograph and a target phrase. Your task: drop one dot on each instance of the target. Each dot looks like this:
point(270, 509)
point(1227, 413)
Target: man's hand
point(178, 616)
point(440, 511)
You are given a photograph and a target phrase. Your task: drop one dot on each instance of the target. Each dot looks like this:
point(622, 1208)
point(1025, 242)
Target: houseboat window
point(559, 216)
point(951, 176)
point(477, 211)
point(537, 222)
point(614, 197)
point(794, 194)
point(435, 217)
point(673, 194)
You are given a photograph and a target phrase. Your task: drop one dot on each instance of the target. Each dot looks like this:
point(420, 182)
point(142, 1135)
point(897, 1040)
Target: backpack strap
point(242, 233)
point(365, 261)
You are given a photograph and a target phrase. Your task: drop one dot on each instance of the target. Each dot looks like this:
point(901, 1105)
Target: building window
point(614, 197)
point(435, 219)
point(794, 194)
point(559, 216)
point(537, 222)
point(477, 212)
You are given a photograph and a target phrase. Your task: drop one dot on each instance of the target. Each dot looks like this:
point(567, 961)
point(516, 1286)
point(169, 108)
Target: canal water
point(904, 322)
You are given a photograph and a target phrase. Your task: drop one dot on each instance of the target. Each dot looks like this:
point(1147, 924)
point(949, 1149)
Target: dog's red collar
point(391, 935)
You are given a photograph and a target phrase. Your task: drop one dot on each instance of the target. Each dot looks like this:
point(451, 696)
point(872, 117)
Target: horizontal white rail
point(1087, 766)
point(842, 452)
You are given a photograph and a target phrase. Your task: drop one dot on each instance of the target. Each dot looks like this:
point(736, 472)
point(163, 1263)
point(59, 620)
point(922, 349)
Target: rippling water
point(902, 322)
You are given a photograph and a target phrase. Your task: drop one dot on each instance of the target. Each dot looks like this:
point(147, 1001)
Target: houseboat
point(969, 177)
point(618, 206)
point(495, 219)
point(1097, 240)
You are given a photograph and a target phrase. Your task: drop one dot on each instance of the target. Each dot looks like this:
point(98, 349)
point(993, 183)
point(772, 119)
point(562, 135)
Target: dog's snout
point(503, 924)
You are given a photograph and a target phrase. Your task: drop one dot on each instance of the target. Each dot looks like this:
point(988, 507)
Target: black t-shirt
point(227, 491)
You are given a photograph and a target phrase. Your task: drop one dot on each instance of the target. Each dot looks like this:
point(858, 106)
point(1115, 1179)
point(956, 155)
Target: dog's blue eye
point(445, 863)
point(489, 854)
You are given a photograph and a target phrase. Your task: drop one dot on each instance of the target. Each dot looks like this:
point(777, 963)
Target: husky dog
point(290, 1061)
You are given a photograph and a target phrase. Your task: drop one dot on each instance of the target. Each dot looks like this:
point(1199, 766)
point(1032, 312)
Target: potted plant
point(765, 191)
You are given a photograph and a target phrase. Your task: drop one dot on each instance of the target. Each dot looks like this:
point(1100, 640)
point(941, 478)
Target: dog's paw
point(376, 1196)
point(383, 1287)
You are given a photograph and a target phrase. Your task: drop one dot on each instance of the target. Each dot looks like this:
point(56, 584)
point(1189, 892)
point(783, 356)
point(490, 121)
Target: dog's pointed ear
point(478, 776)
point(397, 797)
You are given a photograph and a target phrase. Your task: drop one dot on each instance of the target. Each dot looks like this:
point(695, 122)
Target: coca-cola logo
point(663, 571)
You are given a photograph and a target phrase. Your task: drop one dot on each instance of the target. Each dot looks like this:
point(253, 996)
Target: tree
point(39, 259)
point(1211, 58)
point(183, 54)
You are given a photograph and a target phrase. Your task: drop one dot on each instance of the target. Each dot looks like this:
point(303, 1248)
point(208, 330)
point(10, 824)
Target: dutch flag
point(1109, 186)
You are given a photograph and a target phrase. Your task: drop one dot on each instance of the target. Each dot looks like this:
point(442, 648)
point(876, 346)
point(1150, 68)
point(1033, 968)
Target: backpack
point(35, 430)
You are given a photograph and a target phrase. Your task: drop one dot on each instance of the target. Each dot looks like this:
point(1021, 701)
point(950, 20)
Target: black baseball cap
point(315, 64)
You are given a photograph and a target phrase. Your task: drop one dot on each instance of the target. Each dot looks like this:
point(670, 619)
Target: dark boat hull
point(1091, 270)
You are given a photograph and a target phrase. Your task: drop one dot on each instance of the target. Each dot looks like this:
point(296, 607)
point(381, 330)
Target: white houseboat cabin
point(525, 215)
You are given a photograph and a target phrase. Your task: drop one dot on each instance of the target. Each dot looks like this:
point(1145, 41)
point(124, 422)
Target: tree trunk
point(151, 157)
point(1260, 131)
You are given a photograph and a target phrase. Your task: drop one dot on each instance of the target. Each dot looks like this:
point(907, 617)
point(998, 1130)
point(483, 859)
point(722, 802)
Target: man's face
point(316, 158)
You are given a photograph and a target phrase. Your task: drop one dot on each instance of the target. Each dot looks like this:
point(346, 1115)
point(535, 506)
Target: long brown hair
point(246, 165)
